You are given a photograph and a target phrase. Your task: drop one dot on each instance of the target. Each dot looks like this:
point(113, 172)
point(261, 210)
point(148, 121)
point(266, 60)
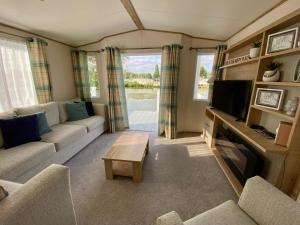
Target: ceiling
point(77, 22)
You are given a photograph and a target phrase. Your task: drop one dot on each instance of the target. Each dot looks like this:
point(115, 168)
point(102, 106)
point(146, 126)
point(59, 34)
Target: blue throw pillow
point(89, 108)
point(76, 111)
point(43, 123)
point(20, 130)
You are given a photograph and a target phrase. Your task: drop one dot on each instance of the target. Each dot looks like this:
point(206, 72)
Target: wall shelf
point(241, 63)
point(282, 53)
point(283, 83)
point(280, 114)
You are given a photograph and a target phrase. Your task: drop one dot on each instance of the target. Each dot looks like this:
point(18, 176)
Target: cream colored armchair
point(260, 203)
point(43, 200)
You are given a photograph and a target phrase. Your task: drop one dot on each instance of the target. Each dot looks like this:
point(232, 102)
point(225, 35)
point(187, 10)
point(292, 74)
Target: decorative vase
point(254, 52)
point(271, 75)
point(291, 106)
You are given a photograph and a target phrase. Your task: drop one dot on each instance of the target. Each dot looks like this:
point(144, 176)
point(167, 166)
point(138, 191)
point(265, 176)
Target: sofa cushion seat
point(17, 160)
point(227, 213)
point(90, 123)
point(62, 135)
point(9, 186)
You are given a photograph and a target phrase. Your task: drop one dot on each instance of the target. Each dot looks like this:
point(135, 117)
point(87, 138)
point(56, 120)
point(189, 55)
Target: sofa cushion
point(20, 130)
point(43, 123)
point(62, 135)
point(76, 111)
point(89, 108)
point(17, 160)
point(90, 123)
point(51, 110)
point(227, 213)
point(10, 186)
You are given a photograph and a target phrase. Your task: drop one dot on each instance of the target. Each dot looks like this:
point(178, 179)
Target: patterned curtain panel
point(168, 91)
point(81, 74)
point(116, 91)
point(219, 61)
point(37, 50)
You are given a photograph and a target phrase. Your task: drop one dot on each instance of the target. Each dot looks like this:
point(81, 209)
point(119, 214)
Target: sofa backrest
point(51, 110)
point(266, 205)
point(44, 199)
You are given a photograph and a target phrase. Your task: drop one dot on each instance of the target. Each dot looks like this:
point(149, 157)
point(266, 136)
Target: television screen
point(232, 97)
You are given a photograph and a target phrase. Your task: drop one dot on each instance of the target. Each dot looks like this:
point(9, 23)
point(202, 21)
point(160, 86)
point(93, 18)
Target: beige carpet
point(180, 175)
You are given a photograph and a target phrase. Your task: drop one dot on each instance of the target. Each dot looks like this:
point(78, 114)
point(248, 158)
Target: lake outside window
point(94, 76)
point(204, 68)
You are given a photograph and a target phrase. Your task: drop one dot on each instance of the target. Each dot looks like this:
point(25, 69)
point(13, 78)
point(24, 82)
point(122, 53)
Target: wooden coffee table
point(126, 156)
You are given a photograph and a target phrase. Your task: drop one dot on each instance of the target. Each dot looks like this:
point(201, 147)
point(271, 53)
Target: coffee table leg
point(137, 171)
point(108, 169)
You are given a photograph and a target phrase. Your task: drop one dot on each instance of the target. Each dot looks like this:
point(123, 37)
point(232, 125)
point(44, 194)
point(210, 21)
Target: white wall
point(190, 113)
point(61, 72)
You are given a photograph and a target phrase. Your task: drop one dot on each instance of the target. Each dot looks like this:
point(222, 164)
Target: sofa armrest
point(100, 109)
point(171, 218)
point(44, 199)
point(265, 204)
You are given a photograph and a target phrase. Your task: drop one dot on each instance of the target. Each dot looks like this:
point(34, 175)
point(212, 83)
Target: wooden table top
point(129, 147)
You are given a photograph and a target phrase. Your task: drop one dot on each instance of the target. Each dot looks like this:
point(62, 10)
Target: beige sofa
point(260, 203)
point(43, 200)
point(63, 142)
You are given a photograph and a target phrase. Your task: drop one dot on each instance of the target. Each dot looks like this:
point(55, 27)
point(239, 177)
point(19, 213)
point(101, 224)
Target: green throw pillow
point(76, 111)
point(43, 123)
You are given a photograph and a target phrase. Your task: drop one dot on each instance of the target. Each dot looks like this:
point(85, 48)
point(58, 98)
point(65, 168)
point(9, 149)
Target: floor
point(180, 175)
point(143, 120)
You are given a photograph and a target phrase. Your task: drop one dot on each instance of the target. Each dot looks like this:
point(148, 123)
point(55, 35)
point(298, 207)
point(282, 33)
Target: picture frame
point(270, 98)
point(297, 72)
point(282, 40)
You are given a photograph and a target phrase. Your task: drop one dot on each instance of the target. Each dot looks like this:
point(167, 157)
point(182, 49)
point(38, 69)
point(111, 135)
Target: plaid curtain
point(219, 61)
point(81, 74)
point(118, 118)
point(168, 91)
point(37, 50)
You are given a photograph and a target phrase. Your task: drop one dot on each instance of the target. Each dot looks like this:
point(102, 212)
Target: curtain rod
point(124, 49)
point(199, 48)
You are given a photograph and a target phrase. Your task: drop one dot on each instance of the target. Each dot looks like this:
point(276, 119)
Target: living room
point(149, 112)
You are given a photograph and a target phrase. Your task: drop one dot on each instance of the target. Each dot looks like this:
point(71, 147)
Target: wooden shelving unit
point(253, 69)
point(275, 113)
point(283, 83)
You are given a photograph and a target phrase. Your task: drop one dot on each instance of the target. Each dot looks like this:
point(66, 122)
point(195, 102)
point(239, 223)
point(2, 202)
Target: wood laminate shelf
point(241, 63)
point(286, 84)
point(249, 134)
point(282, 53)
point(274, 112)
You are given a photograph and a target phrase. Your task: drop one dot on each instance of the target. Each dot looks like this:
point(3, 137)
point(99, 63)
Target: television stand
point(264, 146)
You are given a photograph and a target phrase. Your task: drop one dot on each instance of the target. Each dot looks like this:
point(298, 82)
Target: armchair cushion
point(227, 213)
point(267, 205)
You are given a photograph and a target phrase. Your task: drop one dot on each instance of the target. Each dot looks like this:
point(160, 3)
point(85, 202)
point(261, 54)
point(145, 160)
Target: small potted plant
point(254, 51)
point(273, 73)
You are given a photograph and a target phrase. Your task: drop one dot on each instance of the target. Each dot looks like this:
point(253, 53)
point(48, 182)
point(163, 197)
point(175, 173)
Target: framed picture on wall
point(282, 40)
point(270, 98)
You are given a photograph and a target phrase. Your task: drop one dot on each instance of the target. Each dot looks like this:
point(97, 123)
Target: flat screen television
point(232, 97)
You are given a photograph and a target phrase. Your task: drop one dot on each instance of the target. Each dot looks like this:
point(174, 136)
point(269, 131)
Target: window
point(94, 76)
point(204, 68)
point(16, 82)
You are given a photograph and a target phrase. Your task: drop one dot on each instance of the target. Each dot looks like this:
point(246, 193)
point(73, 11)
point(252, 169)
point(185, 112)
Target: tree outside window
point(93, 76)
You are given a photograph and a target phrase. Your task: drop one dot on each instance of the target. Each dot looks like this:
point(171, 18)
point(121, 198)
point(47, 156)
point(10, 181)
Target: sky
point(146, 63)
point(141, 63)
